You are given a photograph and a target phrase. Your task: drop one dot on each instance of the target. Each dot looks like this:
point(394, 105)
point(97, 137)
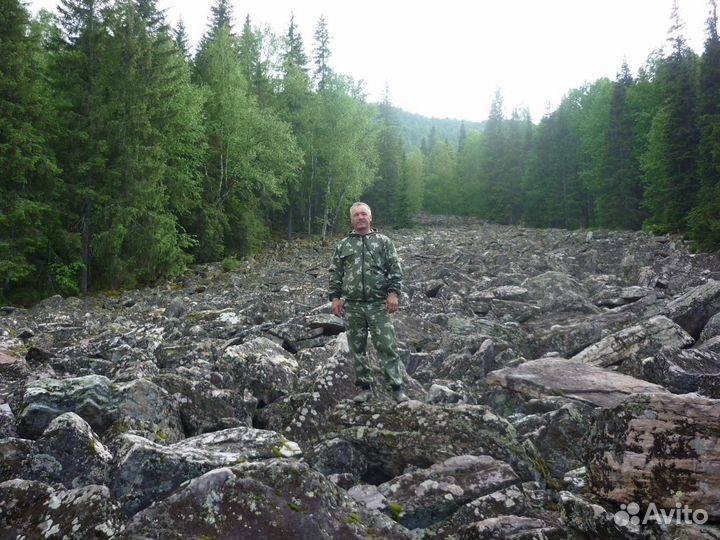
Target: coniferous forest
point(124, 156)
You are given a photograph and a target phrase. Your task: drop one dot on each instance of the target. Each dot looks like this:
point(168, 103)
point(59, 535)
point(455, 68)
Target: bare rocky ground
point(564, 385)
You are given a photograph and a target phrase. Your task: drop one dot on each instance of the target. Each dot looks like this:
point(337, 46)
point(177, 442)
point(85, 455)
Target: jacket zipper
point(362, 259)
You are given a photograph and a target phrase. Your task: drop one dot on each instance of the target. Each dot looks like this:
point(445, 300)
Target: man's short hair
point(357, 204)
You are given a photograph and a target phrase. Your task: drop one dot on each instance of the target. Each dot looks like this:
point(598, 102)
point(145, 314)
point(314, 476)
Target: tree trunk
point(290, 222)
point(337, 209)
point(85, 271)
point(326, 214)
point(310, 194)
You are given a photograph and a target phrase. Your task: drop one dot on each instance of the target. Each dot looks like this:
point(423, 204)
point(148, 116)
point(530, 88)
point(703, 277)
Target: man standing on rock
point(366, 272)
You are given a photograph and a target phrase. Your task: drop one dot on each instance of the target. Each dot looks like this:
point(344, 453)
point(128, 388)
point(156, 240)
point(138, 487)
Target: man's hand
point(392, 302)
point(337, 307)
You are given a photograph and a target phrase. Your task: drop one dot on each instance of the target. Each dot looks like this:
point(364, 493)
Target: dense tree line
point(631, 153)
point(125, 156)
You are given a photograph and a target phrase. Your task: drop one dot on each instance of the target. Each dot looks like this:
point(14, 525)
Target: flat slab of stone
point(662, 449)
point(330, 324)
point(694, 308)
point(7, 359)
point(640, 340)
point(572, 379)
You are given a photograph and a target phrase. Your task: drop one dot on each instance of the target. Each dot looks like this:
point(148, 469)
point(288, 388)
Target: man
point(366, 272)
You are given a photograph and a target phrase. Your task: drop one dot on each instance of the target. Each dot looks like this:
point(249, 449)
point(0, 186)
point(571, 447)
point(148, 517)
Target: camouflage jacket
point(365, 268)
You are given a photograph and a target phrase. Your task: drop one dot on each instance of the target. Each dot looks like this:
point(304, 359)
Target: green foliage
point(617, 186)
point(441, 186)
point(230, 264)
point(345, 157)
point(387, 196)
point(124, 158)
point(252, 157)
point(670, 160)
point(415, 128)
point(413, 168)
point(65, 277)
point(704, 219)
point(31, 238)
point(395, 510)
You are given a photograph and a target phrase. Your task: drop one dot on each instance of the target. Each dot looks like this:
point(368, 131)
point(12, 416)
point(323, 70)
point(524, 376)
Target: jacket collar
point(371, 232)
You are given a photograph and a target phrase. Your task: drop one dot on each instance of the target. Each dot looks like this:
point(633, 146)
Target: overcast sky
point(447, 58)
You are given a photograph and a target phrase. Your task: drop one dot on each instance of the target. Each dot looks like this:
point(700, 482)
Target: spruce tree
point(620, 194)
point(321, 55)
point(294, 49)
point(180, 37)
point(385, 195)
point(154, 146)
point(33, 258)
point(495, 196)
point(154, 18)
point(670, 162)
point(295, 103)
point(250, 44)
point(704, 218)
point(78, 75)
point(221, 17)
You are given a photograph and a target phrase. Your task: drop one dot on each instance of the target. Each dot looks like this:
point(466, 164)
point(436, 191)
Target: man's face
point(361, 219)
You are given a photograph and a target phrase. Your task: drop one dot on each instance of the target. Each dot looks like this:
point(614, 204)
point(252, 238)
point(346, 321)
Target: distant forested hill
point(415, 126)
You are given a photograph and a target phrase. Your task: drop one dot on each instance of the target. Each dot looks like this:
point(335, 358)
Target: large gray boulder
point(421, 498)
point(69, 453)
point(7, 421)
point(711, 329)
point(570, 336)
point(680, 371)
point(143, 407)
point(572, 380)
point(31, 509)
point(558, 291)
point(302, 416)
point(658, 448)
point(138, 405)
point(261, 366)
point(583, 518)
point(393, 436)
point(694, 308)
point(526, 500)
point(511, 528)
point(276, 500)
point(203, 407)
point(13, 453)
point(640, 340)
point(90, 397)
point(557, 437)
point(145, 471)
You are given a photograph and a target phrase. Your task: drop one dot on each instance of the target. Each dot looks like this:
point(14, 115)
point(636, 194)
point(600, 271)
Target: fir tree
point(33, 260)
point(620, 193)
point(670, 174)
point(705, 216)
point(385, 194)
point(294, 49)
point(321, 54)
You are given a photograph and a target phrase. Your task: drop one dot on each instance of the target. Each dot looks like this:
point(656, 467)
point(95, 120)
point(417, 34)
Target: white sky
point(446, 59)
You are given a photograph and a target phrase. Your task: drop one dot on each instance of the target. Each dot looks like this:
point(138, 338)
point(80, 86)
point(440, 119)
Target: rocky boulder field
point(563, 384)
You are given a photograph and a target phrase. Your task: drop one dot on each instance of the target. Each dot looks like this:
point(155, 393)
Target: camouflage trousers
point(365, 318)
